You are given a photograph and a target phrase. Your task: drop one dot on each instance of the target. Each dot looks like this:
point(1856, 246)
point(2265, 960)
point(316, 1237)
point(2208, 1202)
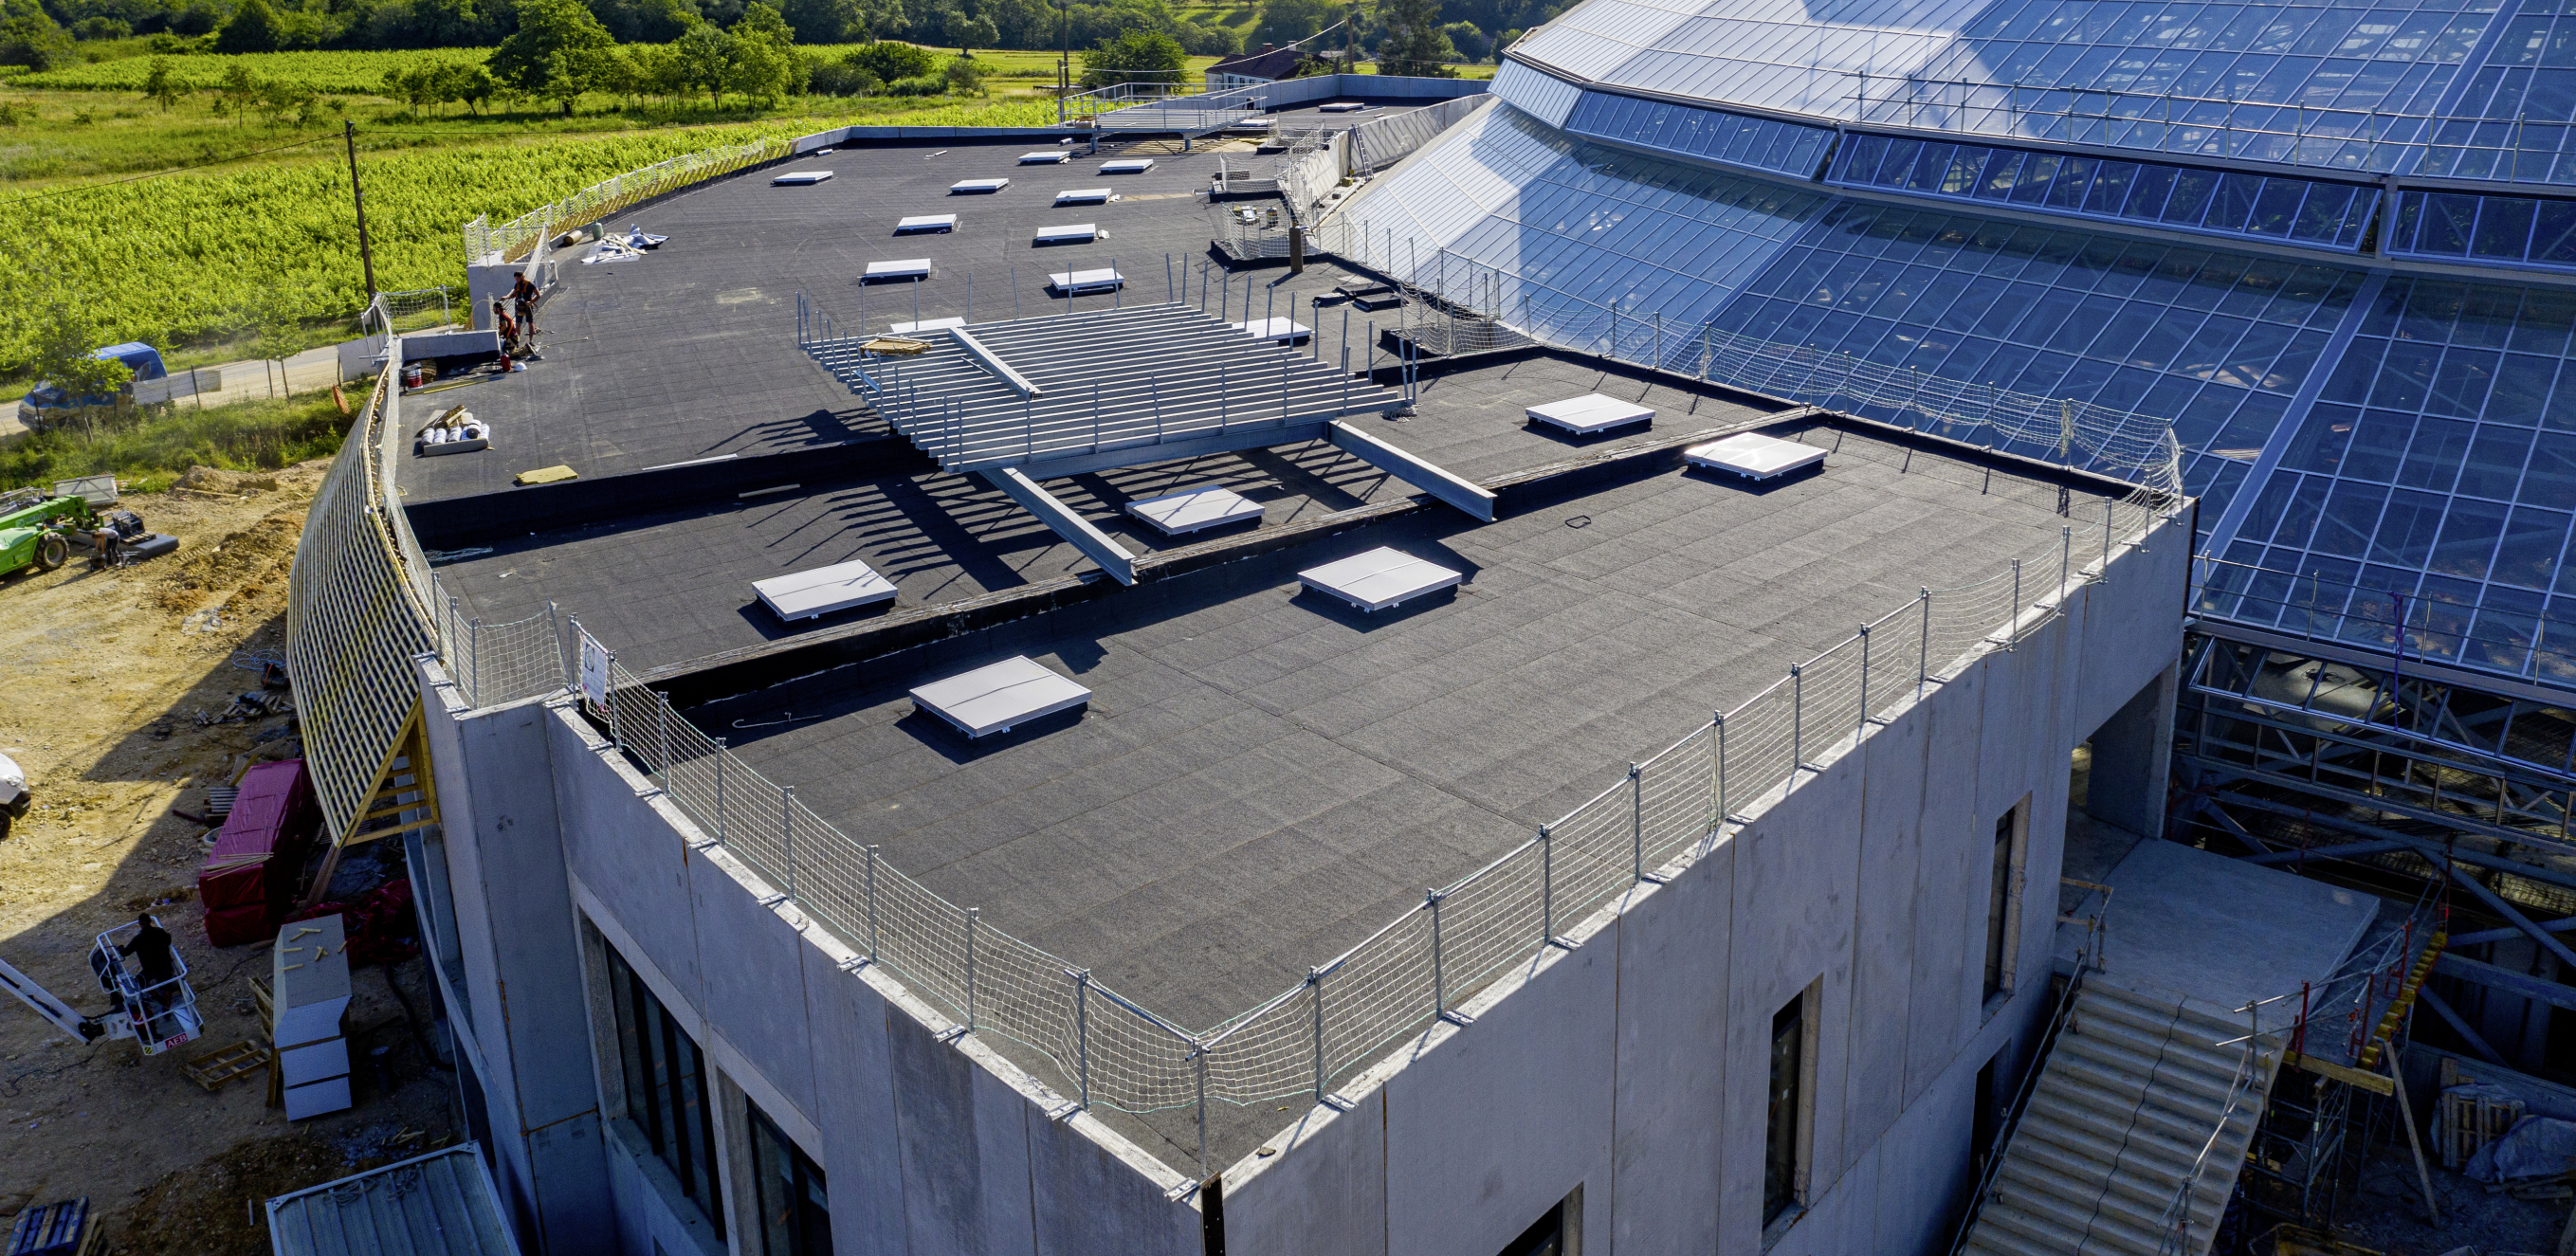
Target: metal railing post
point(1862, 726)
point(616, 726)
point(1201, 1054)
point(1637, 821)
point(1717, 751)
point(970, 969)
point(2015, 613)
point(720, 790)
point(2065, 563)
point(1082, 1033)
point(787, 833)
point(1797, 720)
point(1546, 885)
point(872, 902)
point(662, 705)
point(1439, 979)
point(1315, 991)
point(2107, 507)
point(1923, 660)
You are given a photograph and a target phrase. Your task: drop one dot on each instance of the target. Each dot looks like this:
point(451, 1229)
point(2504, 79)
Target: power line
point(38, 196)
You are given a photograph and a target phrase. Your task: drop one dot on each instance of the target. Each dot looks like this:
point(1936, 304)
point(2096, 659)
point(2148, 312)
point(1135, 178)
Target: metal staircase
point(2133, 1137)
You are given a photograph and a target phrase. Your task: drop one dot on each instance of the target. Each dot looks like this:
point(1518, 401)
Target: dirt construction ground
point(106, 681)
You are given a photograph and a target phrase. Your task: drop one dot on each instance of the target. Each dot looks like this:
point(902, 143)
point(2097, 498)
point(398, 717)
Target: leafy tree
point(201, 17)
point(761, 21)
point(969, 34)
point(845, 77)
point(891, 59)
point(253, 28)
point(240, 90)
point(704, 54)
point(1472, 45)
point(159, 86)
point(101, 27)
point(554, 53)
point(764, 65)
point(65, 356)
point(32, 40)
point(1413, 44)
point(1284, 22)
point(827, 21)
point(965, 76)
point(1136, 56)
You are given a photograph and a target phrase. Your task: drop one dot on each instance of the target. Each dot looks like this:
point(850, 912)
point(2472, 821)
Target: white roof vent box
point(1755, 457)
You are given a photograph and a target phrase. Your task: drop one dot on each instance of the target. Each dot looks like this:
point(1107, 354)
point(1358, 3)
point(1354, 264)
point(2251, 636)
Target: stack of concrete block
point(310, 984)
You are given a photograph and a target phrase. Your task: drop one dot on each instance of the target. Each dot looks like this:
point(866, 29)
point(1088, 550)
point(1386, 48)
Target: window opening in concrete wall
point(666, 1087)
point(2003, 903)
point(425, 854)
point(1787, 1112)
point(1545, 1237)
point(795, 1209)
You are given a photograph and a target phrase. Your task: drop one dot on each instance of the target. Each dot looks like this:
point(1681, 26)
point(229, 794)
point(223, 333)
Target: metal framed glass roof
point(1606, 227)
point(2215, 343)
point(2439, 464)
point(2314, 212)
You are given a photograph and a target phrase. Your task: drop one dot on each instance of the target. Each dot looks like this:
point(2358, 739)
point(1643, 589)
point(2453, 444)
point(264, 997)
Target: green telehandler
point(40, 531)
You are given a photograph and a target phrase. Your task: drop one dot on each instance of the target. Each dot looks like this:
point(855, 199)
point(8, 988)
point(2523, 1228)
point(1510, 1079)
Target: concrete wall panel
point(1323, 1194)
point(854, 1104)
point(1891, 852)
point(1673, 957)
point(1492, 1125)
point(1943, 1004)
point(628, 857)
point(1085, 1199)
point(965, 1173)
point(754, 984)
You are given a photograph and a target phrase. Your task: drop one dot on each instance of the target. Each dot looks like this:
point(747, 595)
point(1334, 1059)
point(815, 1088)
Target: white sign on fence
point(594, 675)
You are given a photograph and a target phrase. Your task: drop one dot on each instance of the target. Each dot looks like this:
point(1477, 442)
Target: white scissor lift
point(158, 1017)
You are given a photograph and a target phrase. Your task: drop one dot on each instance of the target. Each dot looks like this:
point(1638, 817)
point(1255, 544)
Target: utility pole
point(358, 197)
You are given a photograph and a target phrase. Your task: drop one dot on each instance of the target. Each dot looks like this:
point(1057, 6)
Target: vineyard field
point(340, 73)
point(187, 256)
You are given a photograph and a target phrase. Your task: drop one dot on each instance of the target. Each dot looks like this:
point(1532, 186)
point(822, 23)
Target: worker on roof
point(523, 294)
point(509, 328)
point(13, 793)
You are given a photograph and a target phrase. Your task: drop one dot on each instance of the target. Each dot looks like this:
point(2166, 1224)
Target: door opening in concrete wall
point(1784, 1144)
point(795, 1208)
point(1988, 1120)
point(2003, 902)
point(667, 1096)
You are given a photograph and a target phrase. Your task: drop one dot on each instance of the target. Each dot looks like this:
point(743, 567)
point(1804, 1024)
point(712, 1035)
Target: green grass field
point(328, 72)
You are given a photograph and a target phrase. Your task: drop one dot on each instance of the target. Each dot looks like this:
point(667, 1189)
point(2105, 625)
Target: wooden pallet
point(225, 1064)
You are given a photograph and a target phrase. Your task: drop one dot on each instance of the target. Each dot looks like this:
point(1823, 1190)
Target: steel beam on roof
point(1094, 543)
point(2506, 980)
point(1413, 470)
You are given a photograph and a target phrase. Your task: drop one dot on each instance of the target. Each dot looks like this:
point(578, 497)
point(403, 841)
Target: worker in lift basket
point(151, 945)
point(13, 793)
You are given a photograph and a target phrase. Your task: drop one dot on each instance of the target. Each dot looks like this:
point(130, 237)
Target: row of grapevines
point(326, 72)
point(170, 259)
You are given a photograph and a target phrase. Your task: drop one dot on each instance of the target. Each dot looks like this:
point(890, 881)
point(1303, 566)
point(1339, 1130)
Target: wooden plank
point(2345, 1073)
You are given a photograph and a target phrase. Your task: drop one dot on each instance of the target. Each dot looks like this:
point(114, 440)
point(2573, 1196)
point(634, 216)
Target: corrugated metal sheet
point(441, 1204)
